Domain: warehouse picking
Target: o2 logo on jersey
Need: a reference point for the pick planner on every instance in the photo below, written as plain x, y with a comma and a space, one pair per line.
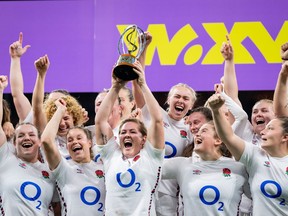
93, 202
31, 186
269, 186
215, 200
131, 183
174, 150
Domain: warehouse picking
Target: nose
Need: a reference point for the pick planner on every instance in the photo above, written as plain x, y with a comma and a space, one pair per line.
262, 132
62, 122
26, 137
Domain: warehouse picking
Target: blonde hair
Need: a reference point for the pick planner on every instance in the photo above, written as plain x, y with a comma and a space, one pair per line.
73, 108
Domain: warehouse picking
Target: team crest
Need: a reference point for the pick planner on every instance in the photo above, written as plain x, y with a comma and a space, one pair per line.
226, 172
183, 133
45, 174
99, 173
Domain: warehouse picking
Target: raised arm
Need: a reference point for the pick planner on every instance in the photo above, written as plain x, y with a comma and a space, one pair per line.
156, 129
3, 85
235, 144
230, 79
21, 102
42, 64
103, 130
49, 134
280, 100
137, 92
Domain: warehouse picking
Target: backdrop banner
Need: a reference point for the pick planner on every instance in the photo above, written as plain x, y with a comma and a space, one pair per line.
81, 37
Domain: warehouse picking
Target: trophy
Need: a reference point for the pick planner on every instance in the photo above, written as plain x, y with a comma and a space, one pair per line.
129, 52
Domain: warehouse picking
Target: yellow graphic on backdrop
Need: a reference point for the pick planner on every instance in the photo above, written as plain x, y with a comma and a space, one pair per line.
169, 50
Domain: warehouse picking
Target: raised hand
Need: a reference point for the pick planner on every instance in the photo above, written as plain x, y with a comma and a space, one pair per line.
3, 82
141, 74
227, 50
42, 64
284, 52
16, 49
216, 101
61, 104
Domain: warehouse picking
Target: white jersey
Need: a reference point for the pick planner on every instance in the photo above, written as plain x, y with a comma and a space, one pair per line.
29, 117
97, 148
26, 188
81, 188
131, 183
268, 178
177, 137
208, 187
242, 126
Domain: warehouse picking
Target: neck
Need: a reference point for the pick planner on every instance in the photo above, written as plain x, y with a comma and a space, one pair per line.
209, 156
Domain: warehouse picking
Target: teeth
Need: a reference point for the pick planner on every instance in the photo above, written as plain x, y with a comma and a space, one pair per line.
76, 148
26, 145
260, 122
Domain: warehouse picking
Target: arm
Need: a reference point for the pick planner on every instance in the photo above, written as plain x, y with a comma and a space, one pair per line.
137, 92
3, 85
156, 129
21, 102
280, 93
103, 130
49, 134
39, 118
224, 130
230, 80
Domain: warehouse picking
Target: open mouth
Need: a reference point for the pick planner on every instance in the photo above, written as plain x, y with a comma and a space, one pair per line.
179, 108
258, 122
27, 145
198, 141
127, 144
77, 148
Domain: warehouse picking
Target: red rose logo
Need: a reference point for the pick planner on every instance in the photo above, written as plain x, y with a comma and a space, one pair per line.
99, 173
183, 134
226, 172
45, 174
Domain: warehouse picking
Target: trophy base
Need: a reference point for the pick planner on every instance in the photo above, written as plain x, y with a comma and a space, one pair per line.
124, 68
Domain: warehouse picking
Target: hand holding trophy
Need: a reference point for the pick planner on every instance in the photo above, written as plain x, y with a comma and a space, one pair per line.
129, 52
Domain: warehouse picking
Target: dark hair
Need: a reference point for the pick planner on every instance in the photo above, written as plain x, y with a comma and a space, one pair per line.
284, 124
141, 126
205, 111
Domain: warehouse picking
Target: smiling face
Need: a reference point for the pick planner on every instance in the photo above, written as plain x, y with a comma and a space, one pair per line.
206, 142
27, 142
131, 139
195, 120
65, 124
262, 113
79, 145
180, 102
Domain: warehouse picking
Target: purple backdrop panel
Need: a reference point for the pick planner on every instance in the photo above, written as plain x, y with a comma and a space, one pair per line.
80, 38
64, 30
